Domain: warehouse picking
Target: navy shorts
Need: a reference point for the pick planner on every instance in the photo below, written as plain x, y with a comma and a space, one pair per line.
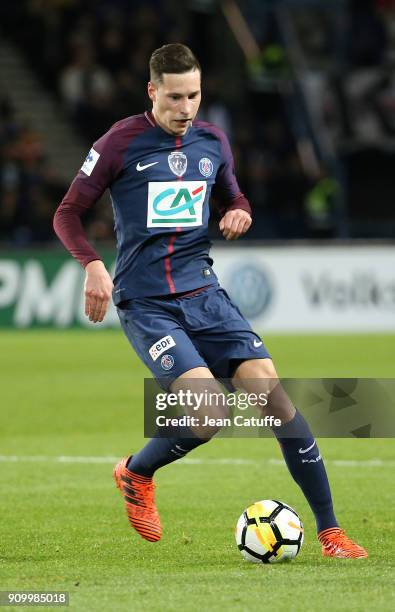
172, 336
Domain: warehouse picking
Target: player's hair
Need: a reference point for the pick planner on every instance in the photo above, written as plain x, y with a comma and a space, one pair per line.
172, 59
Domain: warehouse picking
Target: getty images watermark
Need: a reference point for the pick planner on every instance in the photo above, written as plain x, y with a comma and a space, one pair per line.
334, 408
200, 401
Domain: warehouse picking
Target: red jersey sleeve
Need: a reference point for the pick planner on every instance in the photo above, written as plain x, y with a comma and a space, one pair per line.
101, 166
226, 190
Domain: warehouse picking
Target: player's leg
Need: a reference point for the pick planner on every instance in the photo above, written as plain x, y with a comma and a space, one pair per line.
154, 330
301, 454
294, 435
178, 441
134, 475
232, 349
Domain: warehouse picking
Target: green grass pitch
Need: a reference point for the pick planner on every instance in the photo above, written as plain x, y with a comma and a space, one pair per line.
63, 525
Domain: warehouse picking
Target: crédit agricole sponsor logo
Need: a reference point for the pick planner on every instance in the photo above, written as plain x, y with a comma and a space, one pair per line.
175, 203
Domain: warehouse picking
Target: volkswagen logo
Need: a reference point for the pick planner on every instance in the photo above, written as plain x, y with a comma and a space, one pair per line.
250, 289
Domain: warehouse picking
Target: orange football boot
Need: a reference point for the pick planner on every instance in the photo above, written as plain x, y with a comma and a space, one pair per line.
138, 492
335, 543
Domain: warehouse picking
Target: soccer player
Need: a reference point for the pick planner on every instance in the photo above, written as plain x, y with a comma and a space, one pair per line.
161, 168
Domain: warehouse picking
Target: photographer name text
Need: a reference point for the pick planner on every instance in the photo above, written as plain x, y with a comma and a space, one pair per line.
236, 421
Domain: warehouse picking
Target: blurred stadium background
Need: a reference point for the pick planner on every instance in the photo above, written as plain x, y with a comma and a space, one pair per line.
304, 89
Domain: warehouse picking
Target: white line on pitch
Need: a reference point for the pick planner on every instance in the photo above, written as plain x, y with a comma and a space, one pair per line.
381, 463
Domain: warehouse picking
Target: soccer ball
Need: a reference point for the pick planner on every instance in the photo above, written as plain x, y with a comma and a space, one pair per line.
269, 531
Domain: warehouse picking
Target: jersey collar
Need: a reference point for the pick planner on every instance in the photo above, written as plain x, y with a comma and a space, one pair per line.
150, 118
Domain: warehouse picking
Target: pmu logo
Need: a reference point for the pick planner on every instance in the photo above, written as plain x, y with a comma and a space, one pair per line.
176, 203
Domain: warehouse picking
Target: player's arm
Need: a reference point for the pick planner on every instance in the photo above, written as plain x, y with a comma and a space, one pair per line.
235, 209
97, 172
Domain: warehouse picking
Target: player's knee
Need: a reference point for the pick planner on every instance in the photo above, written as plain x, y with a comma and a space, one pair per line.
278, 404
255, 369
207, 405
263, 368
212, 416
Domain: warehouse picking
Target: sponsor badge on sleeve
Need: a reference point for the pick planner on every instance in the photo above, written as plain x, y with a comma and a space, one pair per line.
90, 162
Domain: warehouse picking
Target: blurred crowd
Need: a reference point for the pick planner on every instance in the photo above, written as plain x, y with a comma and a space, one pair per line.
29, 186
93, 56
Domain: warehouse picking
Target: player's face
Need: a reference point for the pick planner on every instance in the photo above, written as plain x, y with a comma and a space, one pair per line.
175, 101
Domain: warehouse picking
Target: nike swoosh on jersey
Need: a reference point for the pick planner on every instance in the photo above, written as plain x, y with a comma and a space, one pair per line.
257, 343
304, 450
139, 167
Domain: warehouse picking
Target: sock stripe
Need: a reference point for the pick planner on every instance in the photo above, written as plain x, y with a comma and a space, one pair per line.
182, 450
327, 532
162, 451
175, 452
138, 477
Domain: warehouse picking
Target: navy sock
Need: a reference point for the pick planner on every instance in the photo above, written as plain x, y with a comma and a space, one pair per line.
161, 451
305, 464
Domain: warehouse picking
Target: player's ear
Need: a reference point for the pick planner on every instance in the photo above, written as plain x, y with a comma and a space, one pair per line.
151, 91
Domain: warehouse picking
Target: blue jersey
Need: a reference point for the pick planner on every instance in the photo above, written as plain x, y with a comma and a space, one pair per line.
160, 187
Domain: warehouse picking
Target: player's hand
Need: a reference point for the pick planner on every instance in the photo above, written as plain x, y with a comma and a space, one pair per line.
235, 223
98, 289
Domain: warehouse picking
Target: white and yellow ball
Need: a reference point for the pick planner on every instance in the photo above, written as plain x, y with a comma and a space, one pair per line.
269, 531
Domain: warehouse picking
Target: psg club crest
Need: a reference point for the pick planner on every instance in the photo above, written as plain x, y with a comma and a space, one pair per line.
167, 362
206, 167
178, 163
